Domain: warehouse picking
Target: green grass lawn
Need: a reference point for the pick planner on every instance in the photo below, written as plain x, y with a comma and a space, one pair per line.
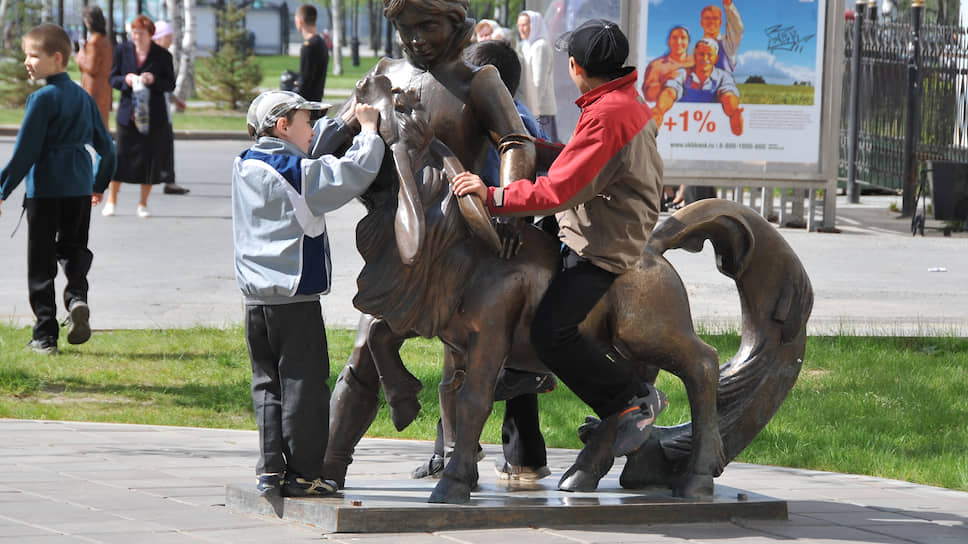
204, 118
890, 407
758, 93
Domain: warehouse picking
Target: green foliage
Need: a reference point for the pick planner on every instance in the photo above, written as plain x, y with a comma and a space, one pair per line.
889, 407
755, 79
484, 9
15, 84
230, 76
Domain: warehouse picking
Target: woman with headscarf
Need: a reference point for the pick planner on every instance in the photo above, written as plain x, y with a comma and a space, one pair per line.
537, 85
141, 157
94, 60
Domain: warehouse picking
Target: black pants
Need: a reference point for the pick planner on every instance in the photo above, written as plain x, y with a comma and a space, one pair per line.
521, 436
57, 231
605, 386
290, 366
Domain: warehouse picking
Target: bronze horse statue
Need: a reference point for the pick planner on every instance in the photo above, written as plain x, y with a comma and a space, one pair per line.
445, 279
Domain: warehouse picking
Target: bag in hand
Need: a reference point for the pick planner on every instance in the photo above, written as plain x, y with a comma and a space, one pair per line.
141, 96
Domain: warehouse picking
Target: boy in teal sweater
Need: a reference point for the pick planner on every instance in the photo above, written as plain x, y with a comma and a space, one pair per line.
61, 184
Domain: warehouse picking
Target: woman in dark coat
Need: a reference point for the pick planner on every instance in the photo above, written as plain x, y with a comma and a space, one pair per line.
142, 158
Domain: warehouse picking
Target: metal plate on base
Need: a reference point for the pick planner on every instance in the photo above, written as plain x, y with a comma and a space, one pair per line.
383, 505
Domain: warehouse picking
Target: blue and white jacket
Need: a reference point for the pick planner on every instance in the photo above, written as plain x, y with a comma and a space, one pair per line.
279, 198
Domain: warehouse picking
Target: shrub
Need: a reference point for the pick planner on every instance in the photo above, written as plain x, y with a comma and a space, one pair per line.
230, 76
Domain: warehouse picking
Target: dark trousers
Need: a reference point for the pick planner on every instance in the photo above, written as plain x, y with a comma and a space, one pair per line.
290, 366
57, 231
605, 386
521, 436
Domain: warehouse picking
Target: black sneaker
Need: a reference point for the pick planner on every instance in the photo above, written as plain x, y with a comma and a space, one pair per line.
300, 487
79, 321
430, 469
514, 383
434, 468
269, 484
635, 422
43, 346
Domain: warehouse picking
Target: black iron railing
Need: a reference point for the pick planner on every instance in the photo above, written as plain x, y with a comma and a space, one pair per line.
884, 94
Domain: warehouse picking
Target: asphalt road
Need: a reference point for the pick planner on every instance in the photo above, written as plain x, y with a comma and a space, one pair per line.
175, 269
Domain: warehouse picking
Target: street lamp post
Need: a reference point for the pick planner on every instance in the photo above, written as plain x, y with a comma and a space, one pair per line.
913, 118
355, 40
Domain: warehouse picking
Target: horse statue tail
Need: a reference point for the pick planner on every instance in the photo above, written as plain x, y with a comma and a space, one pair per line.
776, 299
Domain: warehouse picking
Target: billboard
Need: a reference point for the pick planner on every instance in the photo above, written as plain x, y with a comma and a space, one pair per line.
735, 80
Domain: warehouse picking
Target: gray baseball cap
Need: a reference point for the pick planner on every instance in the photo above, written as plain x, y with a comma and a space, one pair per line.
270, 106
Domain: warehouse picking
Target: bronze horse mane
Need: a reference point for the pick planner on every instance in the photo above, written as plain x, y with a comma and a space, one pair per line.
481, 307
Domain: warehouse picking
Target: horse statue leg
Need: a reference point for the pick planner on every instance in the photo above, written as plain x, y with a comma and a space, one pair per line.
474, 401
400, 387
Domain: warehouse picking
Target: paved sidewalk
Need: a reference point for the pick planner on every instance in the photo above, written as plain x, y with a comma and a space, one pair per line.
94, 482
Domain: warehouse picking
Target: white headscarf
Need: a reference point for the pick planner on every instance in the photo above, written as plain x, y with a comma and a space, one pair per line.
538, 29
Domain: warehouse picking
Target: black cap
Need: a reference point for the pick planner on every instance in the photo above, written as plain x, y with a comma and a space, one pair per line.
598, 46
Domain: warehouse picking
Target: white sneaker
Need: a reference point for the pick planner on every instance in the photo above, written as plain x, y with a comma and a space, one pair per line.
143, 212
108, 209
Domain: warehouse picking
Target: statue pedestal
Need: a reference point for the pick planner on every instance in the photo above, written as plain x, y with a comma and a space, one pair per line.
376, 504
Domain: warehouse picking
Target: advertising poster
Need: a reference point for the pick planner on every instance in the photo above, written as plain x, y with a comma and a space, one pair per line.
735, 80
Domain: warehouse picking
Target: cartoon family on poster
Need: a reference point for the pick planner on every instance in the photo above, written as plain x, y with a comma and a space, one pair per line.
706, 75
702, 63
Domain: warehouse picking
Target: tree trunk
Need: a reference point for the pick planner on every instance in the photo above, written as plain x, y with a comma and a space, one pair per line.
175, 19
185, 82
336, 56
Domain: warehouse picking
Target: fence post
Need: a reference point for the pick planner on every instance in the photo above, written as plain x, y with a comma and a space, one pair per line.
912, 119
853, 192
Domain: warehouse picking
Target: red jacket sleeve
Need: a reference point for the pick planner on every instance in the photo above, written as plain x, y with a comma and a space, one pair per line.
568, 181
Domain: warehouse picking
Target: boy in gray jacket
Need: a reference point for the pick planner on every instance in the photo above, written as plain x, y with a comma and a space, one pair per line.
282, 264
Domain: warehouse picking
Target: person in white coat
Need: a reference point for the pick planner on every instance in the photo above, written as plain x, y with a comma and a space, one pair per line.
537, 81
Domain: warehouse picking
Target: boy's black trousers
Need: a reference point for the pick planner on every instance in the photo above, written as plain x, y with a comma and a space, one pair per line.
603, 385
57, 231
290, 366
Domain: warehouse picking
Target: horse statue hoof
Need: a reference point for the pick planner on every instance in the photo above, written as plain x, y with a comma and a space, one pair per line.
695, 486
403, 412
579, 481
450, 491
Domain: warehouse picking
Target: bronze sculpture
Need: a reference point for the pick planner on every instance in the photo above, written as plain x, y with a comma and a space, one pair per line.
428, 273
480, 305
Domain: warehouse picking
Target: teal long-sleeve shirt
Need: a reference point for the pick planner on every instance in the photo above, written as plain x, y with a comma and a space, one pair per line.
50, 154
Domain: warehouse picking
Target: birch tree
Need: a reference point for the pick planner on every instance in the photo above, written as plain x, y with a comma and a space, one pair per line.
3, 23
336, 57
185, 81
175, 15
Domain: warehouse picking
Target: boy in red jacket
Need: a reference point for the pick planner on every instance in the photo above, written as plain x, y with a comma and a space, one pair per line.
604, 189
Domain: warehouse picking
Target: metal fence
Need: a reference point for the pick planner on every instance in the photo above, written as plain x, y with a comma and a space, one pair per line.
883, 97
